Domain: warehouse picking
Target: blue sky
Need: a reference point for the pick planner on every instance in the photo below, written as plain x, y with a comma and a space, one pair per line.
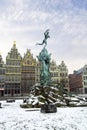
25, 21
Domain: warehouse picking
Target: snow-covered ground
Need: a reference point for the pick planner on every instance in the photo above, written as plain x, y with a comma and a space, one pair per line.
12, 117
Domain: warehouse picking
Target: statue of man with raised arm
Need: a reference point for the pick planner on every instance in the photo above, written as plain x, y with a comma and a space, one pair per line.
44, 59
46, 36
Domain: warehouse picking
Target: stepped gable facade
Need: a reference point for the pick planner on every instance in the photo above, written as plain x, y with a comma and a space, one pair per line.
63, 75
13, 72
59, 74
27, 72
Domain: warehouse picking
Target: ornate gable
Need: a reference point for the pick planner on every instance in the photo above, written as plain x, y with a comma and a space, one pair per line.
28, 59
14, 54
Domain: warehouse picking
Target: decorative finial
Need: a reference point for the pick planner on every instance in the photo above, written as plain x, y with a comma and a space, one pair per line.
14, 43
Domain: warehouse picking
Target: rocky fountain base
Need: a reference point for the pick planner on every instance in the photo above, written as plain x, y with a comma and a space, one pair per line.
48, 103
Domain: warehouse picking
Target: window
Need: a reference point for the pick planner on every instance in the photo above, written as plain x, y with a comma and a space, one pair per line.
86, 90
61, 74
85, 83
1, 65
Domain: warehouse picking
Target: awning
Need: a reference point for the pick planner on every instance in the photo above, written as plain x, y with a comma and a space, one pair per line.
1, 89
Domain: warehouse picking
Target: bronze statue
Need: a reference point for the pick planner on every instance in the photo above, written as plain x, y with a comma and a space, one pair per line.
44, 59
46, 36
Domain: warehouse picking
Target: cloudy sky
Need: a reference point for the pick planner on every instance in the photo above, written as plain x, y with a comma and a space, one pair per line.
25, 22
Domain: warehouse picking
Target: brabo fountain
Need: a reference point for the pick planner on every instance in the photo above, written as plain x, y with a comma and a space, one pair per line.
45, 76
46, 95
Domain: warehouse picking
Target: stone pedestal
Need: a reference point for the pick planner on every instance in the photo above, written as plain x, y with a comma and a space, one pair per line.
48, 108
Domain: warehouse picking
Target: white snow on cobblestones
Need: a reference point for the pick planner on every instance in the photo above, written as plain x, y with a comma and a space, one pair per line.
12, 117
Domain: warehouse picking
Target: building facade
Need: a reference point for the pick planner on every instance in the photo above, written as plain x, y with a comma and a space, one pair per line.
63, 75
59, 74
2, 76
19, 74
27, 73
84, 79
54, 72
75, 83
13, 72
78, 81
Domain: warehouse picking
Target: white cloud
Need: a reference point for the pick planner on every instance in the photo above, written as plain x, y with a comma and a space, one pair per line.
26, 21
